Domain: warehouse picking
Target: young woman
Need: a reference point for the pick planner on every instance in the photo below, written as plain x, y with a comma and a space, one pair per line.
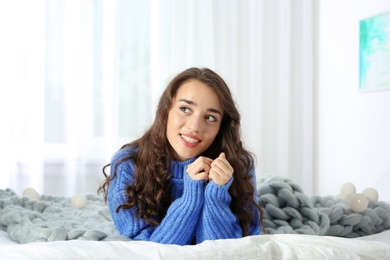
188, 178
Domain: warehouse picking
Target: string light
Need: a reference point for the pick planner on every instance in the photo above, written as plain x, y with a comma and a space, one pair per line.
358, 202
79, 201
31, 194
371, 194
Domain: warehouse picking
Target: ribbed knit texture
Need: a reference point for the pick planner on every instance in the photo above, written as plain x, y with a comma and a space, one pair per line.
198, 212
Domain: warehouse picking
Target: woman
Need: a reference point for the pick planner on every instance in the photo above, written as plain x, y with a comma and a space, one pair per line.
188, 178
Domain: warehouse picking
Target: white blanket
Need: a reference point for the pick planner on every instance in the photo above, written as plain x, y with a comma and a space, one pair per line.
279, 246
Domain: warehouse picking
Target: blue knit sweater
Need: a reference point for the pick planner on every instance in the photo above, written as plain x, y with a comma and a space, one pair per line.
198, 211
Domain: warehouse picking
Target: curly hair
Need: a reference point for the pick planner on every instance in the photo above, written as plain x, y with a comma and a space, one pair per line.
150, 192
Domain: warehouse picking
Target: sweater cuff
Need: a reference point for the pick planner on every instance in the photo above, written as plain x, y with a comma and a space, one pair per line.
193, 188
217, 193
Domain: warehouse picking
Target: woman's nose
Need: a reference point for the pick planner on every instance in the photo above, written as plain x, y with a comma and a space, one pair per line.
194, 123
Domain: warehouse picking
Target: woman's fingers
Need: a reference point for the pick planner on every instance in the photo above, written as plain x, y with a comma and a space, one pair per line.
221, 171
200, 168
218, 170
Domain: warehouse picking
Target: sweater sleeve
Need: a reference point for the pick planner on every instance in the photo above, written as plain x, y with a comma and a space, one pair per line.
177, 227
217, 220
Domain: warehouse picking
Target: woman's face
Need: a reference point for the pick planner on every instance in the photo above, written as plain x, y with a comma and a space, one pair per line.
194, 120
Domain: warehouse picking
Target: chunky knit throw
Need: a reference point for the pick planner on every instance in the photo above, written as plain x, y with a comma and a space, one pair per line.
54, 218
286, 210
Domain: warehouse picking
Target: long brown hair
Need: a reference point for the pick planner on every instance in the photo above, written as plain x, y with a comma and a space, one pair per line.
150, 192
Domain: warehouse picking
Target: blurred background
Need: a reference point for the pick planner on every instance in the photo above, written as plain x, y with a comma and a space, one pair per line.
80, 78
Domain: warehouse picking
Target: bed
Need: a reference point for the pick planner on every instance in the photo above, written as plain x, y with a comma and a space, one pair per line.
298, 227
278, 246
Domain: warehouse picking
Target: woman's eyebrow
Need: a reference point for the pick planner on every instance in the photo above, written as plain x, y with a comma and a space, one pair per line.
190, 102
214, 110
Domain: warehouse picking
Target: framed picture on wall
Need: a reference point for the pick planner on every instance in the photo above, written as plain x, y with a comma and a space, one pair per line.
374, 53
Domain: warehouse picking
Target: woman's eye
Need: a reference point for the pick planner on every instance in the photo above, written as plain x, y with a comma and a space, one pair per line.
211, 118
185, 109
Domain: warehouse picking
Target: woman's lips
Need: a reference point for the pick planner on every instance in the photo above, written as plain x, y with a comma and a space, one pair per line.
190, 140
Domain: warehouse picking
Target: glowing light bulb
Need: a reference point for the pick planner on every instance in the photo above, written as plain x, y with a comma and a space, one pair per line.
372, 194
348, 189
31, 194
79, 201
358, 202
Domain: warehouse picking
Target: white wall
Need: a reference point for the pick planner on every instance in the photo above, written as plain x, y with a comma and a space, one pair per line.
352, 127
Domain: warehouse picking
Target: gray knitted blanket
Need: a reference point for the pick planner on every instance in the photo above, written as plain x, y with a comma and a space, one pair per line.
54, 218
286, 210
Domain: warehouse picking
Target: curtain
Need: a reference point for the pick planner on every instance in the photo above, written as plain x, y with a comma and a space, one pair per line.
82, 78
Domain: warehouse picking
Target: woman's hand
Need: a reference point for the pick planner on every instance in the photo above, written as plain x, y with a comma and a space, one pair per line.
200, 168
221, 171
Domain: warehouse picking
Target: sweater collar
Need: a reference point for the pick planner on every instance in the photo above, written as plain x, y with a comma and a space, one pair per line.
177, 168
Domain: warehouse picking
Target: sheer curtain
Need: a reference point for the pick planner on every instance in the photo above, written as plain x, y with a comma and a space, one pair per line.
81, 78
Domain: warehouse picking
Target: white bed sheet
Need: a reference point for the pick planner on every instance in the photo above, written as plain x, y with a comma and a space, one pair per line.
281, 246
